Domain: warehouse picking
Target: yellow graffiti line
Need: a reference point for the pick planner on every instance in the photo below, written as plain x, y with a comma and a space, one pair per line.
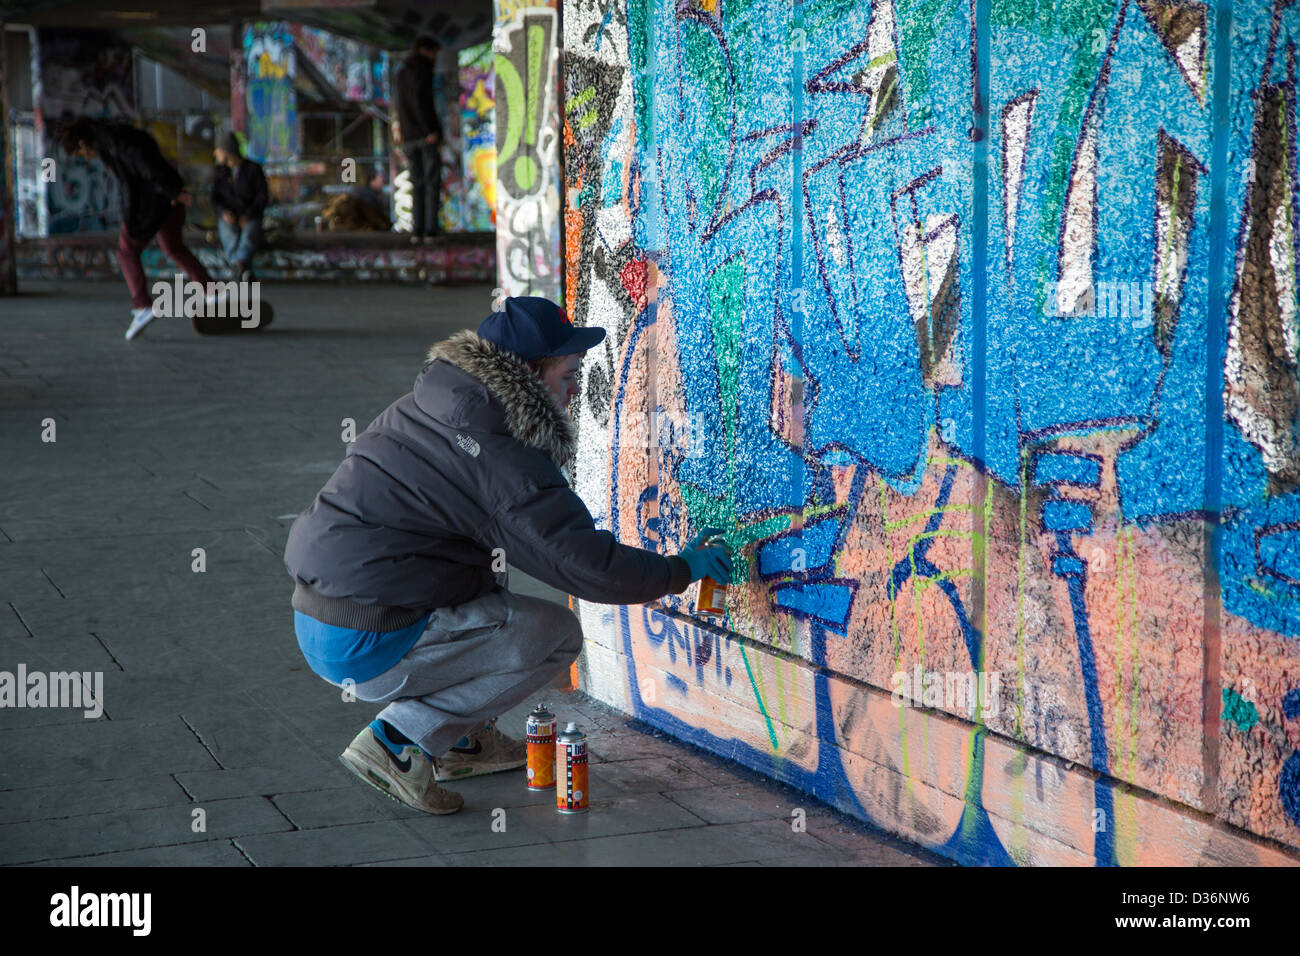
889, 558
924, 515
953, 575
780, 693
945, 460
1020, 600
1119, 623
581, 98
758, 695
940, 533
759, 682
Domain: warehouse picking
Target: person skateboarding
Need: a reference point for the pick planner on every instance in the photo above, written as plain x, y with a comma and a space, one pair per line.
154, 200
395, 596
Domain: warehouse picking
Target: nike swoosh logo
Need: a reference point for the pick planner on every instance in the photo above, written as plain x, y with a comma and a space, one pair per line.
477, 749
403, 765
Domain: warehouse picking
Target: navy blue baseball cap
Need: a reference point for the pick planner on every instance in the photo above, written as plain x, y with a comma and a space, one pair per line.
535, 328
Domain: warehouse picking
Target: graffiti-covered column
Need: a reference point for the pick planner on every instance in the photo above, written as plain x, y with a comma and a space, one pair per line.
528, 141
269, 99
8, 273
238, 79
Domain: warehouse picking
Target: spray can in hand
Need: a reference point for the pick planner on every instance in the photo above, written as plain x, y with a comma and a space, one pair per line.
713, 595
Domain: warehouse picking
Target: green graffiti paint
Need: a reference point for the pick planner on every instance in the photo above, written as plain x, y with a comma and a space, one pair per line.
536, 54
918, 24
511, 88
758, 696
1239, 710
727, 318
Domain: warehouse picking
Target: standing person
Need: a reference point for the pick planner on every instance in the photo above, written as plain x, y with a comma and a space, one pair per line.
239, 196
154, 200
393, 563
421, 135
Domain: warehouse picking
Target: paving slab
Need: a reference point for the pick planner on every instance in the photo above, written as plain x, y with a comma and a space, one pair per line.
112, 829
212, 853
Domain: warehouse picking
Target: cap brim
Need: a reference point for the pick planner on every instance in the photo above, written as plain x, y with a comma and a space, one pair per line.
581, 340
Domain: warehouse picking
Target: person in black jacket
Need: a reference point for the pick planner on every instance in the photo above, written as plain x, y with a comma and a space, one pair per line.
397, 563
421, 134
239, 196
154, 200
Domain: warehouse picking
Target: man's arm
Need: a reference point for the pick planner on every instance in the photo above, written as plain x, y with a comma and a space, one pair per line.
549, 533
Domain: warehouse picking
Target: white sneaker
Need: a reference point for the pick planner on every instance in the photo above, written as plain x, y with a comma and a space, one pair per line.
139, 319
212, 302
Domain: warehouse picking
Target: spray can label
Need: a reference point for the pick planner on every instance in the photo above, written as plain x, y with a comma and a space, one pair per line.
539, 735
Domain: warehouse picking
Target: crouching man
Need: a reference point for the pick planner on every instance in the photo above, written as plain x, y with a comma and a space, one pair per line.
393, 562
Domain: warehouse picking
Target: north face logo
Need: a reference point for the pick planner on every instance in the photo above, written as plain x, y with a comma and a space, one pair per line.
469, 444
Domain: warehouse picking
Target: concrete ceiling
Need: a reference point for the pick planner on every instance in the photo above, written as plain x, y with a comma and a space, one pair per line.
386, 24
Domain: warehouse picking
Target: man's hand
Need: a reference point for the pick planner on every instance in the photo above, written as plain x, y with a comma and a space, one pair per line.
712, 561
229, 216
243, 221
184, 199
431, 138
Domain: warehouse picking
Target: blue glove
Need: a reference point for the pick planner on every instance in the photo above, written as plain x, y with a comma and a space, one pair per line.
700, 538
713, 562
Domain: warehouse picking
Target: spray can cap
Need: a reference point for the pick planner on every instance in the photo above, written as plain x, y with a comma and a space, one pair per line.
571, 728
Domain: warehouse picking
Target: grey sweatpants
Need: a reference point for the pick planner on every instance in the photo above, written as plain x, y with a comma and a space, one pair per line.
473, 662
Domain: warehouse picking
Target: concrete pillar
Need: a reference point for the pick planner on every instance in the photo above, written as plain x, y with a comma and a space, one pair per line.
529, 254
401, 191
8, 217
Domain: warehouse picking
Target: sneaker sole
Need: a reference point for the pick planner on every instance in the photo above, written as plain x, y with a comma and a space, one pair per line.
363, 771
476, 770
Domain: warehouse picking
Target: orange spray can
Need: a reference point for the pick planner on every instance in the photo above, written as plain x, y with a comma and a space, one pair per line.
539, 734
713, 596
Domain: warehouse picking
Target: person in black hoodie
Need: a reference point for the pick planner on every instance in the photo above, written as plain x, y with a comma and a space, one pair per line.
154, 200
239, 195
421, 134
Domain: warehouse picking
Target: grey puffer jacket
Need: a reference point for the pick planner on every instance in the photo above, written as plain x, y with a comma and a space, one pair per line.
467, 462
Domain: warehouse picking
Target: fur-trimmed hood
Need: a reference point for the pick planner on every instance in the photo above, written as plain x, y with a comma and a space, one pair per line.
472, 459
531, 414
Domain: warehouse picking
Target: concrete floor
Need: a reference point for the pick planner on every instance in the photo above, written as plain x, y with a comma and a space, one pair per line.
175, 442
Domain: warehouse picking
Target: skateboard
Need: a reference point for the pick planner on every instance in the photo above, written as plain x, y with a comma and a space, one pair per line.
229, 325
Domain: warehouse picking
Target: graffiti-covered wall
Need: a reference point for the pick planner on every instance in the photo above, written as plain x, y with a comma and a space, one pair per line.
272, 103
79, 73
528, 144
478, 138
963, 324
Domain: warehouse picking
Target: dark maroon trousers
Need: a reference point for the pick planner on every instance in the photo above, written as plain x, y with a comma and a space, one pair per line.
169, 239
